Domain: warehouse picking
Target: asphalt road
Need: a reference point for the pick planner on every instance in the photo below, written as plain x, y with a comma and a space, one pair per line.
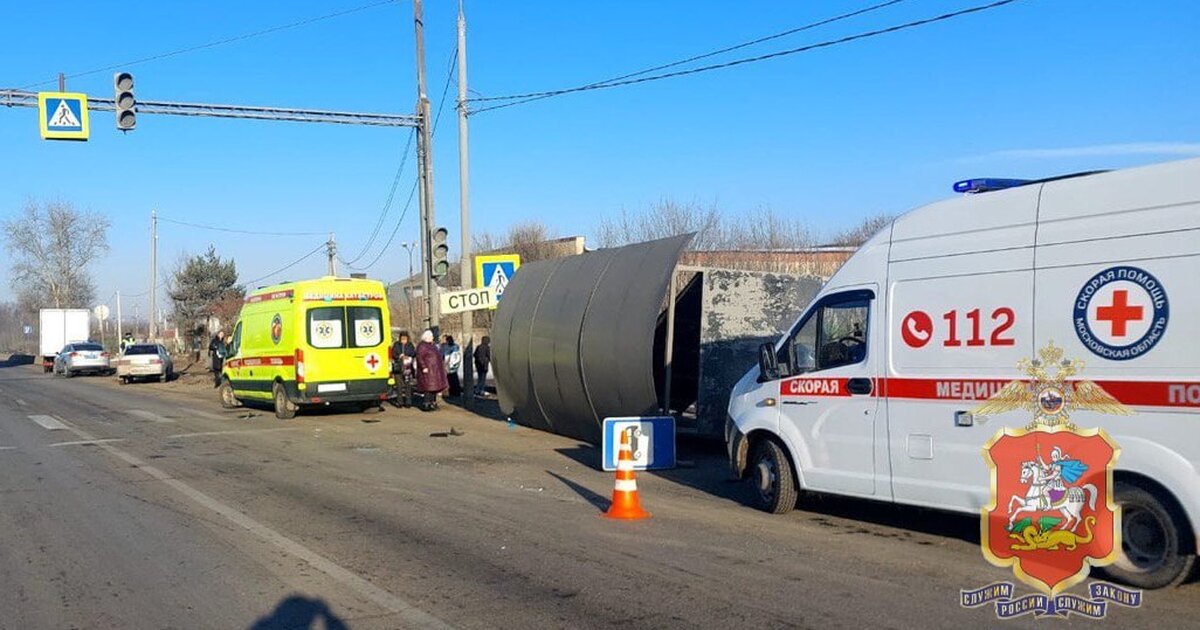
150, 507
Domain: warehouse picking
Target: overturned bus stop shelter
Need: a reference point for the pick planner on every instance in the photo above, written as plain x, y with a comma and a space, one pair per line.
582, 338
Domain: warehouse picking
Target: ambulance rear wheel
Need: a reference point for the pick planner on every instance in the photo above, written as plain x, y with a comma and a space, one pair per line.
1153, 554
284, 408
773, 478
228, 399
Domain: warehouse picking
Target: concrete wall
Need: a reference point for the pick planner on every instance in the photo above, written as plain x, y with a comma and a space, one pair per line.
740, 311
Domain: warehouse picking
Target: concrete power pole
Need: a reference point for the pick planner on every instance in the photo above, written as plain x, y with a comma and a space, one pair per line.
331, 251
120, 330
153, 331
425, 162
464, 203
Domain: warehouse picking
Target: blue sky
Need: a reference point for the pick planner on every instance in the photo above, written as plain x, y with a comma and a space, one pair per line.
1036, 88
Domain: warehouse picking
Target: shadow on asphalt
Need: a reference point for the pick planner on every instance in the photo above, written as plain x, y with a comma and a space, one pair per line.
703, 466
16, 360
297, 612
599, 501
483, 407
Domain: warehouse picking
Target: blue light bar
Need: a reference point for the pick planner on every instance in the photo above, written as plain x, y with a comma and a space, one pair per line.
987, 184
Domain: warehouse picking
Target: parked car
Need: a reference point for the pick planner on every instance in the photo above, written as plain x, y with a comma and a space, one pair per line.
82, 358
149, 361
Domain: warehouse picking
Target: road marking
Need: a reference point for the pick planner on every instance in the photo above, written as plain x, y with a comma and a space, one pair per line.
8, 448
410, 615
82, 442
231, 432
146, 415
22, 402
49, 423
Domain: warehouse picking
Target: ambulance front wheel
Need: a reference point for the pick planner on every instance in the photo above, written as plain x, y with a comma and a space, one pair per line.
228, 399
1153, 552
284, 408
773, 477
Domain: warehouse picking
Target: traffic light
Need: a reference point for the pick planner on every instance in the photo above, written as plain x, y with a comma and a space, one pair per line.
124, 101
438, 252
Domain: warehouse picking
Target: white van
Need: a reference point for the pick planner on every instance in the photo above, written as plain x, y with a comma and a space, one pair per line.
860, 398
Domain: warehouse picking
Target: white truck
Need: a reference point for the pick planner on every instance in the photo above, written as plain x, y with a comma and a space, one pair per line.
59, 326
869, 394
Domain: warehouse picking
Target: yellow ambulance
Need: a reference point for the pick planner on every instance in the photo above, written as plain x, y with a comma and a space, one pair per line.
309, 343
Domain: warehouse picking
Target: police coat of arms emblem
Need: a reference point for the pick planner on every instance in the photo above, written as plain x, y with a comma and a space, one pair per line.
1051, 516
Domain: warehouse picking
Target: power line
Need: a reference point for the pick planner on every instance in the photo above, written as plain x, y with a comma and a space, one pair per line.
215, 228
793, 31
737, 62
433, 132
395, 230
387, 205
219, 42
284, 268
446, 88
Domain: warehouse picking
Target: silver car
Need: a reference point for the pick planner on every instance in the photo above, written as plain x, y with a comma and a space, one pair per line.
145, 361
83, 357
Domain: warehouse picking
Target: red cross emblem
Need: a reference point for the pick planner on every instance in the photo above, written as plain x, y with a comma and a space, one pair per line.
372, 361
1119, 313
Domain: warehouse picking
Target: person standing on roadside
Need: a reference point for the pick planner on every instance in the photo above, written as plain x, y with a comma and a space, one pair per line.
431, 372
404, 368
217, 349
126, 341
452, 359
483, 359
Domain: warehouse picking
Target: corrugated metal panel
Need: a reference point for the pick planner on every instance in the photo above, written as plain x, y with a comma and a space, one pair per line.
575, 337
512, 329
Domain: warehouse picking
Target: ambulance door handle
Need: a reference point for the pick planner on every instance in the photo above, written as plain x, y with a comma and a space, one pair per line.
859, 386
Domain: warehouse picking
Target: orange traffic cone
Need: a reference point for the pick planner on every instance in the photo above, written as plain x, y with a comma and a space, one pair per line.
625, 503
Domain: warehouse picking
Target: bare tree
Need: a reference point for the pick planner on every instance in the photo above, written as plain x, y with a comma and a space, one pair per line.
13, 320
863, 230
662, 219
766, 229
761, 229
531, 239
52, 246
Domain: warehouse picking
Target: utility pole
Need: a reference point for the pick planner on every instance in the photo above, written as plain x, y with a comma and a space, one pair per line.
464, 203
412, 320
153, 332
331, 250
425, 162
120, 331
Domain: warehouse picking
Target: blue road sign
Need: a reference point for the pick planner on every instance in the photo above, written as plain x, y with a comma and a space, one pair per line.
653, 442
63, 115
494, 271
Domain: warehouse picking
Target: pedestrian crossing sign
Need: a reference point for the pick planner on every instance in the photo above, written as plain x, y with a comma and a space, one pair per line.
63, 115
494, 271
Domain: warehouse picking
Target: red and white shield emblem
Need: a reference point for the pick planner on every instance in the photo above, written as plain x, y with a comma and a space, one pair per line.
1052, 516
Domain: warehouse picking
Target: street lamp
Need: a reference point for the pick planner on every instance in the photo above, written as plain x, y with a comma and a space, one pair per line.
408, 282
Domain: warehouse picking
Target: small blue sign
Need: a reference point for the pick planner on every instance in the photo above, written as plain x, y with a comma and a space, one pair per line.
63, 115
653, 442
493, 271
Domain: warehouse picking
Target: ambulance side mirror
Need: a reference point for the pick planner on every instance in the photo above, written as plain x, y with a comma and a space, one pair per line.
768, 364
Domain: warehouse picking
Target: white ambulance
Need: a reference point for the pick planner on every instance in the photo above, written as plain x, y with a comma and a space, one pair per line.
869, 394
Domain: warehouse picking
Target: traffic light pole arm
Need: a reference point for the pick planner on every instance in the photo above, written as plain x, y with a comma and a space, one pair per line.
20, 98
